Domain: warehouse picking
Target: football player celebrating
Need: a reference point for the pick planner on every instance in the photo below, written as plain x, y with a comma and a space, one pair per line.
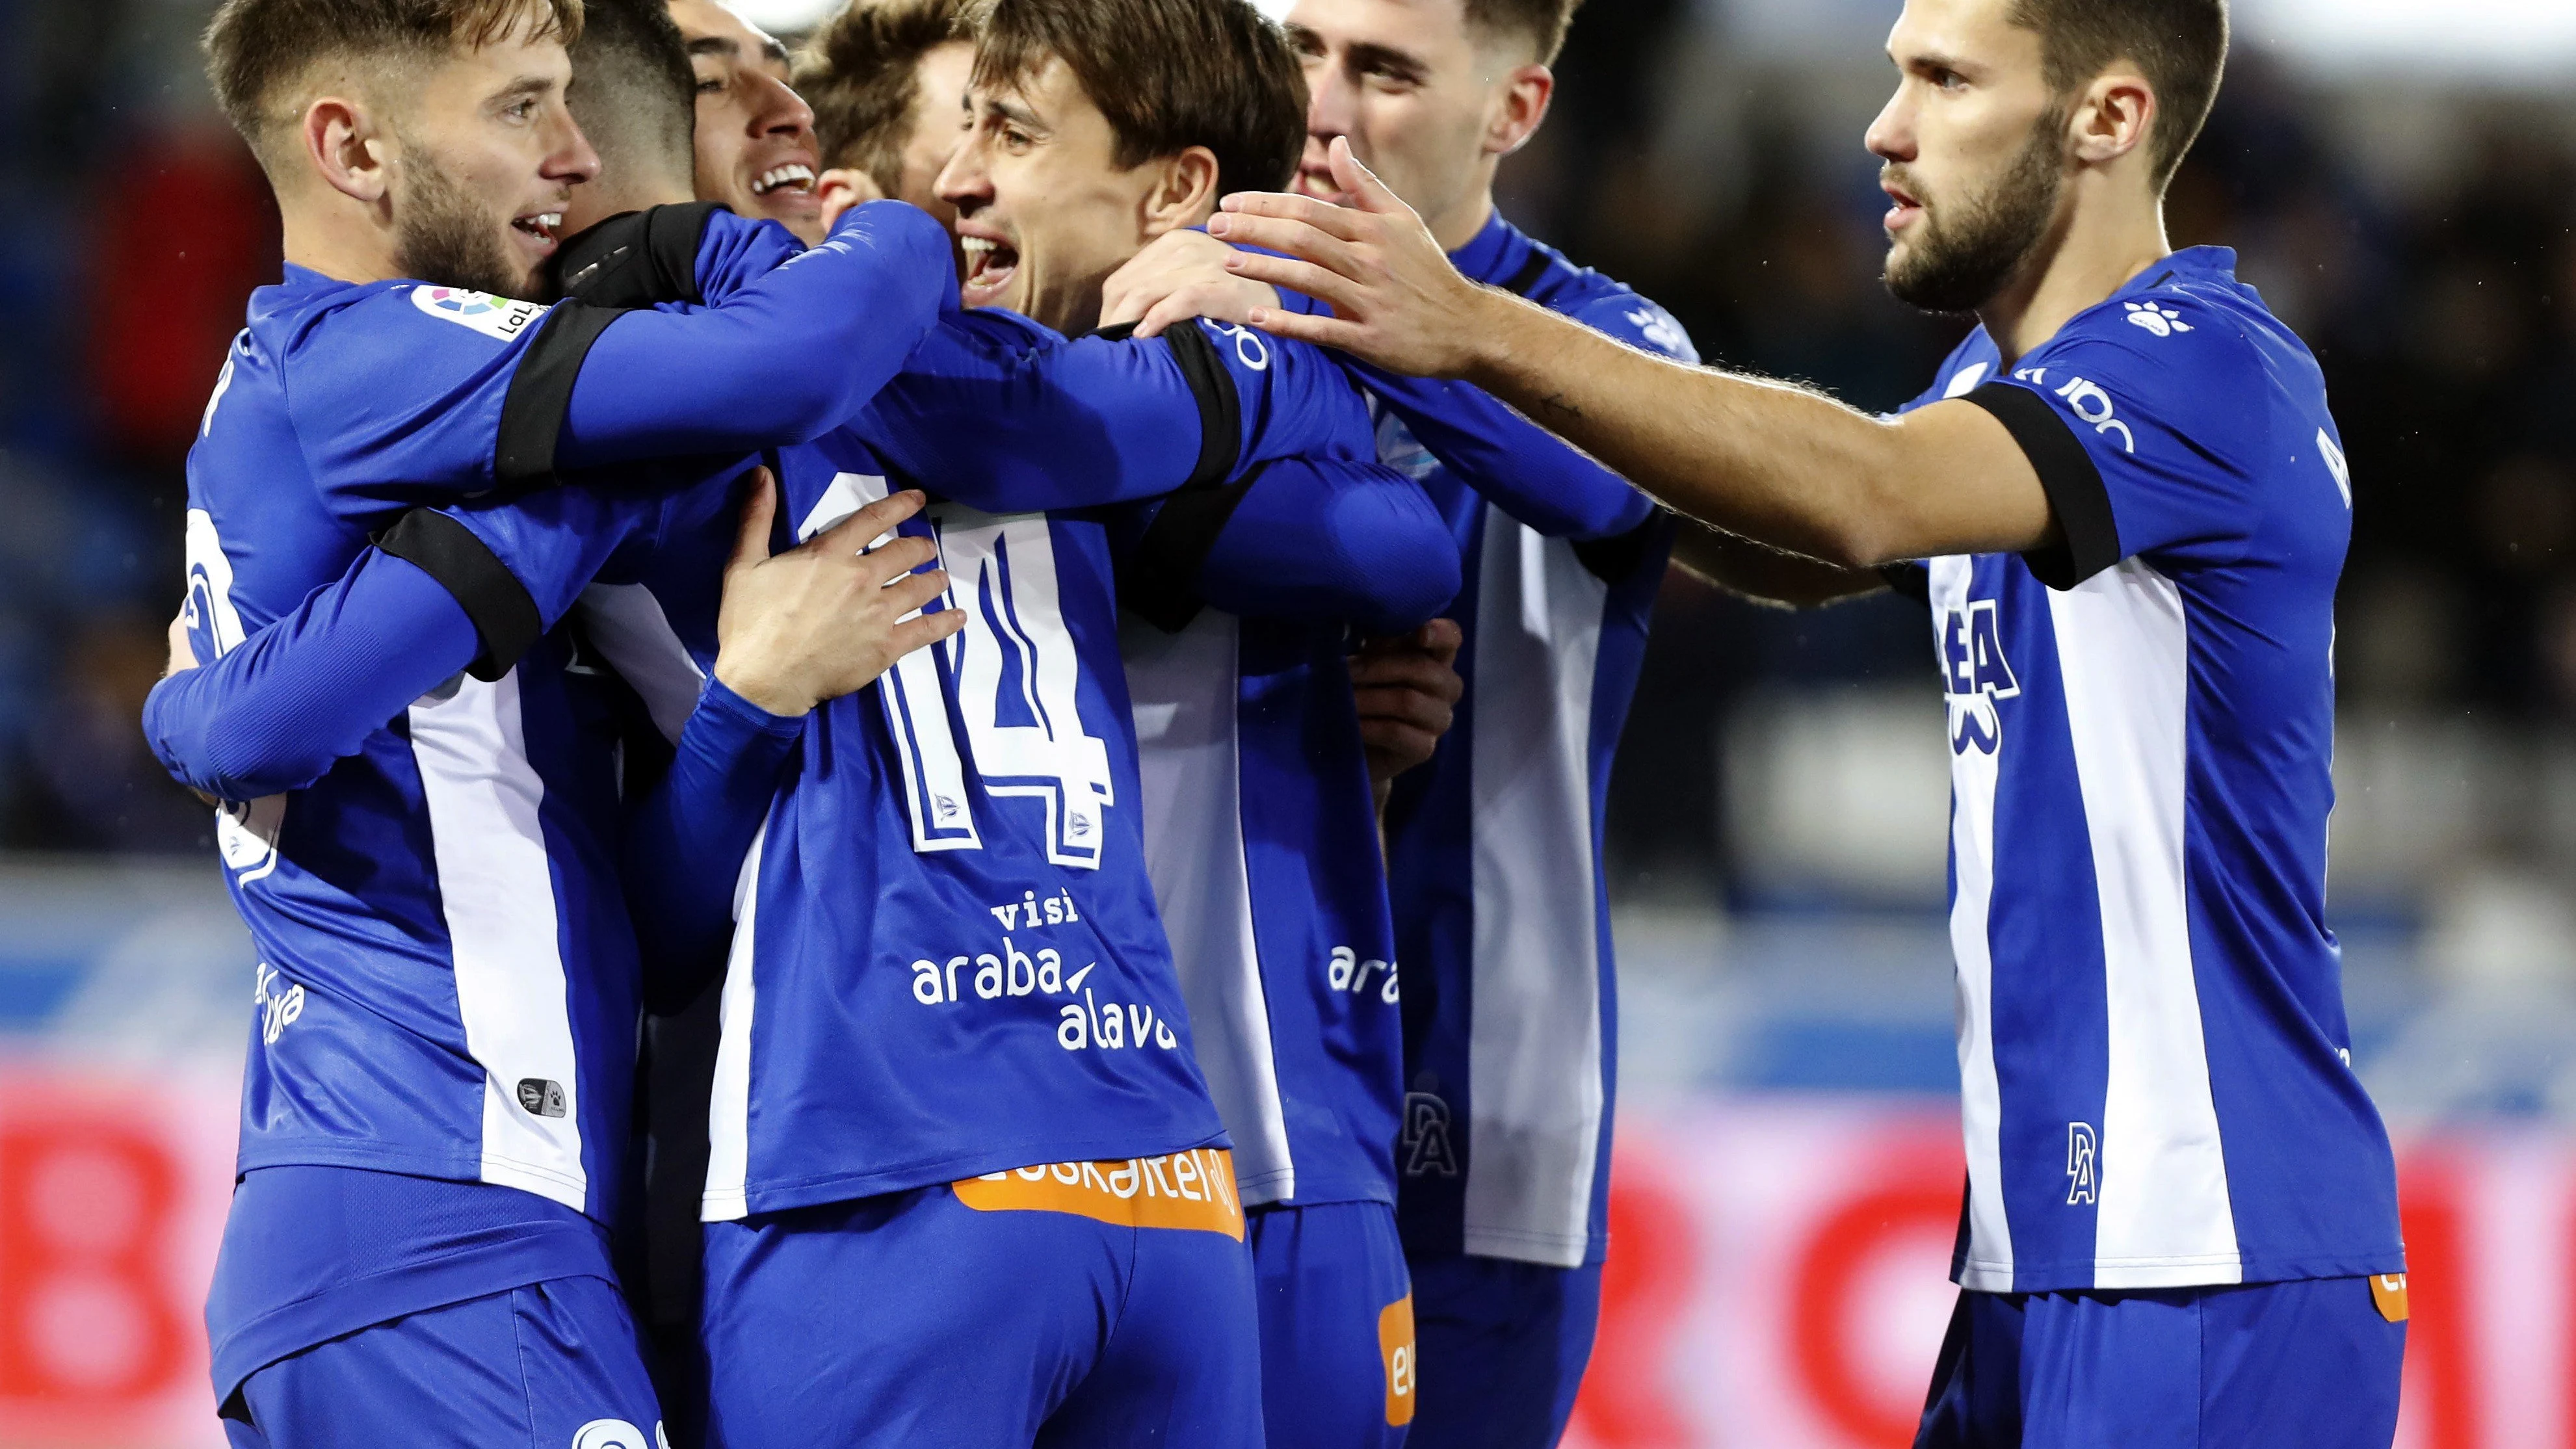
755, 141
2181, 1220
434, 1108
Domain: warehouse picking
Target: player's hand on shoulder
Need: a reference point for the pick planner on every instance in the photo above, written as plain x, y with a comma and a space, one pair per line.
1180, 275
825, 618
1407, 688
1396, 300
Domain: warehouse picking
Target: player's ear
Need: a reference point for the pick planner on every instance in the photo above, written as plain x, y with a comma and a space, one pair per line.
2114, 117
1520, 106
1185, 194
346, 150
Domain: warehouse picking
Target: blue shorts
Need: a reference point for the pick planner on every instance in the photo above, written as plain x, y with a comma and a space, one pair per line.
550, 1364
913, 1319
1337, 1349
1504, 1345
2311, 1363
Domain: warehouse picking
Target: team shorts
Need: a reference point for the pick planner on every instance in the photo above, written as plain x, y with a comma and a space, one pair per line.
2311, 1363
1078, 1305
1503, 1349
554, 1365
1337, 1350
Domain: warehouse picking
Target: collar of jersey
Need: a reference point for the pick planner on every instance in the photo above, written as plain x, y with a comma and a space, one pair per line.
1490, 256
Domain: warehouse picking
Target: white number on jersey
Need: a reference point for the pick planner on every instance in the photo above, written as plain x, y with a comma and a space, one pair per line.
1012, 675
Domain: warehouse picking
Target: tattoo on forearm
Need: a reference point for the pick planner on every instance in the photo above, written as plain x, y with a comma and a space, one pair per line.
1562, 406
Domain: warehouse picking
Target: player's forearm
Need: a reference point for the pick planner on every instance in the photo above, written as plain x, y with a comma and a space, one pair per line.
277, 712
782, 361
1764, 460
1333, 541
690, 835
1520, 467
1765, 575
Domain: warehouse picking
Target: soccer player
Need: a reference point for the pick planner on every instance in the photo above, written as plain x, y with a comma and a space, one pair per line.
2181, 1220
887, 79
755, 135
1494, 849
433, 1112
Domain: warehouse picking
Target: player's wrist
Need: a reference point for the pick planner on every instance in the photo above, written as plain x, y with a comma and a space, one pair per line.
765, 690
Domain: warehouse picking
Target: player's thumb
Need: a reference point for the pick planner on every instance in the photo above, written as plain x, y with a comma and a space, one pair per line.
759, 511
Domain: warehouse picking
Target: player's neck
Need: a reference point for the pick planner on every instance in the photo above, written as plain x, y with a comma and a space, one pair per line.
2103, 240
340, 246
1462, 220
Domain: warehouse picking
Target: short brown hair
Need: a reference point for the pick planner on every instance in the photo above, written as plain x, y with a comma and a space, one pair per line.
255, 48
1543, 21
2179, 45
858, 73
1169, 75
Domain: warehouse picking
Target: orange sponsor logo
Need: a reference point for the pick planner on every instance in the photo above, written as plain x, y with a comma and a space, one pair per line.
2388, 1294
1193, 1190
1395, 1346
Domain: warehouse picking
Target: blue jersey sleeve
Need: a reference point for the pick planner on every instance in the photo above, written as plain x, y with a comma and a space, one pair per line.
428, 390
461, 590
2151, 438
690, 834
279, 709
1326, 541
1519, 466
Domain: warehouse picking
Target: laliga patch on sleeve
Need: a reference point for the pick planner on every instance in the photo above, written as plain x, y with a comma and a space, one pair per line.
499, 318
2388, 1294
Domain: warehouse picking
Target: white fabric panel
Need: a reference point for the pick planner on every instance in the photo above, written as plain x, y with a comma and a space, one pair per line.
729, 1100
1534, 1045
2124, 651
1185, 691
496, 889
1989, 1265
626, 624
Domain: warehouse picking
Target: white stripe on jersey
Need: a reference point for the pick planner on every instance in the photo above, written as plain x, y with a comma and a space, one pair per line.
2124, 653
496, 887
625, 622
1188, 714
1989, 1265
729, 1100
1534, 1043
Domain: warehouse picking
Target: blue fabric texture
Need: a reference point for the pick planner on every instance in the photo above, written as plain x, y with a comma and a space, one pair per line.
2309, 1362
911, 1320
1504, 1346
550, 1364
1327, 1275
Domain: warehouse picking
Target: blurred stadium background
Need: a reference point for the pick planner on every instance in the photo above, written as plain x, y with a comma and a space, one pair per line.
2400, 176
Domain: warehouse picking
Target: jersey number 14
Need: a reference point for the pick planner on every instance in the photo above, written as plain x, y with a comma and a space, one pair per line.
1011, 683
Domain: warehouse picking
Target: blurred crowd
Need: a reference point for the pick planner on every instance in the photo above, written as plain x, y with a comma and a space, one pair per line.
2423, 247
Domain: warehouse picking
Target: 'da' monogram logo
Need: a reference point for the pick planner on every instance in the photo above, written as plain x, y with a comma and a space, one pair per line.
2083, 1163
1427, 1150
1974, 674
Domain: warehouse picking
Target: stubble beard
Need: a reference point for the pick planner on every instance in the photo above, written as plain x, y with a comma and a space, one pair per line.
441, 236
1959, 263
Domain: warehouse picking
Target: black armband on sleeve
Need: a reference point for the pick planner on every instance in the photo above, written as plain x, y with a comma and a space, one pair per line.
1912, 580
540, 393
638, 258
1158, 580
2076, 494
1220, 409
466, 567
1616, 557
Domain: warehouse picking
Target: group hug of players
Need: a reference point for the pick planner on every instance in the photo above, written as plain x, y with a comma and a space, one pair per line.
834, 711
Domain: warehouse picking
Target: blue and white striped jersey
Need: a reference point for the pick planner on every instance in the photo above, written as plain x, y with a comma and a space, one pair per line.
1502, 915
448, 983
2152, 1045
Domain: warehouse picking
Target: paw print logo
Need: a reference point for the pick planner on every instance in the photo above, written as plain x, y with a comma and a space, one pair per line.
2162, 321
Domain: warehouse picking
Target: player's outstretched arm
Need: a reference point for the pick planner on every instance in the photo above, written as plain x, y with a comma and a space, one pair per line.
277, 711
1765, 460
1765, 575
781, 360
796, 630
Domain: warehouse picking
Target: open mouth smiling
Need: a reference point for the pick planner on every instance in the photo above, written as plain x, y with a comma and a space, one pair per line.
990, 265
